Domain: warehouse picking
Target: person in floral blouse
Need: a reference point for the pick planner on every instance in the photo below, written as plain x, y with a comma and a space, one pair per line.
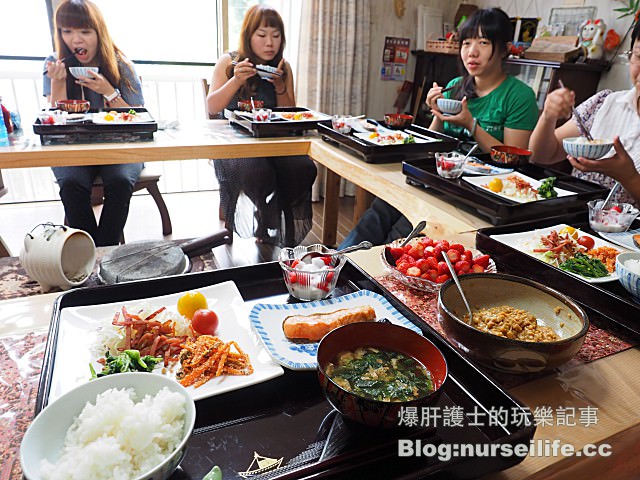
607, 115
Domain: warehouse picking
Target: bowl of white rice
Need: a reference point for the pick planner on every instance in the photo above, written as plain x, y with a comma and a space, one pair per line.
127, 425
628, 270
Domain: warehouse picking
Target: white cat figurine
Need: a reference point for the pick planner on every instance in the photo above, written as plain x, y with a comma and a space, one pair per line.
592, 38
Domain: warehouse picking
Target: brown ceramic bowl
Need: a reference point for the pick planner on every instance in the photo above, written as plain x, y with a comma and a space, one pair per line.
73, 106
508, 155
386, 336
398, 120
555, 309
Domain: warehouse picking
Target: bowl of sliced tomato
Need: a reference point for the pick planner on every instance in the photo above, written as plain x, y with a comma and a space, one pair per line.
420, 263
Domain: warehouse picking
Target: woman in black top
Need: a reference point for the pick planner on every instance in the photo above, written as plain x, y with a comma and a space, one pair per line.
278, 188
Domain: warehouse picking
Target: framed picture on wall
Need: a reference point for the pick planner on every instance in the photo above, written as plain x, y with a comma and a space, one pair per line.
571, 17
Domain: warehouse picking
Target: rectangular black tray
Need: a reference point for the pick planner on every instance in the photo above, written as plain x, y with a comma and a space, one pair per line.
289, 417
609, 299
498, 210
371, 153
89, 132
274, 128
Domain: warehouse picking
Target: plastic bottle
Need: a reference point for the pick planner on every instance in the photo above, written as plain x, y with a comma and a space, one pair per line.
4, 136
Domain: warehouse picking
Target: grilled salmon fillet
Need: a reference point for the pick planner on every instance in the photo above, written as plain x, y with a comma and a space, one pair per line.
315, 326
636, 240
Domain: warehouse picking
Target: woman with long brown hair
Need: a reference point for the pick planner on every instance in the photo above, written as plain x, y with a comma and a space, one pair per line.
82, 39
279, 188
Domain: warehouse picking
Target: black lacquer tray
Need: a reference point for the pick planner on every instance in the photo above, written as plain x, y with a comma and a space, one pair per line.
89, 132
609, 299
500, 211
289, 418
372, 153
276, 127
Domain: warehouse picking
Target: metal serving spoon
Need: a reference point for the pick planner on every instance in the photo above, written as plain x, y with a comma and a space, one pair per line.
365, 245
387, 251
455, 279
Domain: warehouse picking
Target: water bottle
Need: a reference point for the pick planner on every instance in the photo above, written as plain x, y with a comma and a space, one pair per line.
4, 136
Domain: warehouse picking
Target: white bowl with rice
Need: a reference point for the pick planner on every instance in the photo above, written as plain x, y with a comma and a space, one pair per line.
126, 425
628, 270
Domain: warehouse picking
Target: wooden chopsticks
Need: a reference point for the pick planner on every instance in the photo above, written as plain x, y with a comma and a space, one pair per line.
583, 128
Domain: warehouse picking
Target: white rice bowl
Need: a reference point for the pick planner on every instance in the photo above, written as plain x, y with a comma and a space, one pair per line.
128, 425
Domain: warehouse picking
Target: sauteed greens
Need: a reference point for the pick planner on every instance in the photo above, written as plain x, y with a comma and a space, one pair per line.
381, 375
127, 361
546, 190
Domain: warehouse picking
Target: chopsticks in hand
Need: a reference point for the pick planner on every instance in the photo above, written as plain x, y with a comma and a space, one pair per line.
583, 128
75, 50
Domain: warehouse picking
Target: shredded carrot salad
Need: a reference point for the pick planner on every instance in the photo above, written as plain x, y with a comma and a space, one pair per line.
149, 336
206, 357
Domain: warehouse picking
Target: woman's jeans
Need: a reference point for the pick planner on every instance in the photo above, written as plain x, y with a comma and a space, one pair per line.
75, 191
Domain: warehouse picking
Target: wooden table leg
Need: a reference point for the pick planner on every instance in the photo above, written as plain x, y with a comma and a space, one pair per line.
363, 201
330, 211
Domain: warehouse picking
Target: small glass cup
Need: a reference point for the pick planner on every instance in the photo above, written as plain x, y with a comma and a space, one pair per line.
617, 218
340, 123
262, 115
450, 165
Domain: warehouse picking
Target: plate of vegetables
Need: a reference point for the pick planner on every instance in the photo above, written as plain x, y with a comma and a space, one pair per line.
568, 249
164, 336
518, 187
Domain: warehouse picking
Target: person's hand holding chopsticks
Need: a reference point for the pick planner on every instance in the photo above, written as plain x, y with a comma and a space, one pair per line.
559, 104
244, 70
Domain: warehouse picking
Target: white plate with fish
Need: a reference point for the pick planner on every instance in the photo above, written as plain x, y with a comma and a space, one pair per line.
266, 319
475, 166
82, 330
624, 239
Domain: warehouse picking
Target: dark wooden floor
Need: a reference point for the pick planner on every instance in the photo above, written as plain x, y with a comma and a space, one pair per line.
245, 251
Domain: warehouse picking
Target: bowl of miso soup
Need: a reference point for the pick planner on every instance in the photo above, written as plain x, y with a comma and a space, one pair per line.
370, 371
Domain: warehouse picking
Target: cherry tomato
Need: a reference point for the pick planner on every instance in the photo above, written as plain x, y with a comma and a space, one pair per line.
586, 242
205, 321
190, 302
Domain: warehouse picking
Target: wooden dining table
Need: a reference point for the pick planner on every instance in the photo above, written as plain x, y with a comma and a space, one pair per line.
609, 384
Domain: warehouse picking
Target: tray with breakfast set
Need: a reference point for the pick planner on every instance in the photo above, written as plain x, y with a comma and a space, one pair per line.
281, 425
481, 188
375, 142
115, 125
276, 121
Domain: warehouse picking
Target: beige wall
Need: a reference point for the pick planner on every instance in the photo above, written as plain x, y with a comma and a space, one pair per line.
385, 23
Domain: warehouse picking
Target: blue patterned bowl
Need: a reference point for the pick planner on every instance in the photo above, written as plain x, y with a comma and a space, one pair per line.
581, 147
629, 279
449, 106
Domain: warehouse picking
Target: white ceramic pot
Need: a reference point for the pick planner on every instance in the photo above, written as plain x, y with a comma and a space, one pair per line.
58, 256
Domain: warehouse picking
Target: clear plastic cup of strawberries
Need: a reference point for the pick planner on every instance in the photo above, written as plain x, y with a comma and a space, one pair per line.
420, 264
310, 279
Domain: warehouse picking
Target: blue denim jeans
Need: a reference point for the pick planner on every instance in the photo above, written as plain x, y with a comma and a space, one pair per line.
380, 224
75, 191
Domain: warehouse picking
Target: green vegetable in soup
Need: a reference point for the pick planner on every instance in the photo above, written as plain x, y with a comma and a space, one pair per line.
214, 474
585, 266
546, 189
127, 361
381, 375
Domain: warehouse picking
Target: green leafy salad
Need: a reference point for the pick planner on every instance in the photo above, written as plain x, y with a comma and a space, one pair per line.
586, 266
127, 361
546, 190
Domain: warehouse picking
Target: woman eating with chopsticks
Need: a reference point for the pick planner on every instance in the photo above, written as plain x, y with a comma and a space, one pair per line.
606, 115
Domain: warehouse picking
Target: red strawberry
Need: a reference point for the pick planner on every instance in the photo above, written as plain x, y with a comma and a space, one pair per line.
462, 267
414, 272
396, 252
453, 255
457, 246
442, 278
442, 268
293, 278
423, 265
467, 255
616, 208
477, 268
330, 276
482, 260
326, 260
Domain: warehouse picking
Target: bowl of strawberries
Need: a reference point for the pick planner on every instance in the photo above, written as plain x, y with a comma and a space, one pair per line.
420, 263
